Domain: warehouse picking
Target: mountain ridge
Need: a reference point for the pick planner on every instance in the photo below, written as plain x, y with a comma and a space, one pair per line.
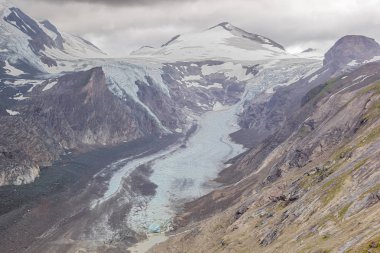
39, 44
223, 37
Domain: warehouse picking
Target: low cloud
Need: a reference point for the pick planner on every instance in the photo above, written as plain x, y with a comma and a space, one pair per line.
119, 27
115, 2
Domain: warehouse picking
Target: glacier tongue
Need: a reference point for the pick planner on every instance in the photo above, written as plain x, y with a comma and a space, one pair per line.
184, 173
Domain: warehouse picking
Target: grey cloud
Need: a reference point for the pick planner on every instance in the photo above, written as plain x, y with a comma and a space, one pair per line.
293, 23
116, 2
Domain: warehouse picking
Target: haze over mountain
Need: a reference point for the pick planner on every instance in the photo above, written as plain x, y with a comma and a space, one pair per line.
220, 138
123, 27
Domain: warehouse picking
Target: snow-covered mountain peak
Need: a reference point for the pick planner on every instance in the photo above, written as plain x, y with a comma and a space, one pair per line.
223, 41
225, 25
241, 33
39, 46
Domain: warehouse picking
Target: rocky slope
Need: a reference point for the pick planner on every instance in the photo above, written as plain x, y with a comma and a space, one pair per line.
310, 183
75, 113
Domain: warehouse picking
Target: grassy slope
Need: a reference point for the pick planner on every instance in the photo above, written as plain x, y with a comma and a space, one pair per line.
337, 207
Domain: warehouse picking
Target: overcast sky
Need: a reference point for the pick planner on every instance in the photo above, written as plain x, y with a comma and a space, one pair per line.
119, 26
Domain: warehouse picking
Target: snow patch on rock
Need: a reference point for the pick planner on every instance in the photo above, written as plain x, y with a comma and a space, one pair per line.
50, 85
12, 70
12, 113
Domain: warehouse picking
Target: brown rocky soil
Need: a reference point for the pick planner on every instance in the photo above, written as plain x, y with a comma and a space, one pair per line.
315, 189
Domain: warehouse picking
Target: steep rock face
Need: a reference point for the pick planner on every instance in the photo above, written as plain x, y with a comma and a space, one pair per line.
59, 39
314, 191
38, 38
77, 111
82, 103
351, 50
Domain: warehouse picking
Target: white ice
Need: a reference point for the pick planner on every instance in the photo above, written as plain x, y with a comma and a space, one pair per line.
12, 113
12, 70
50, 85
216, 43
229, 69
314, 77
19, 97
197, 85
352, 63
183, 174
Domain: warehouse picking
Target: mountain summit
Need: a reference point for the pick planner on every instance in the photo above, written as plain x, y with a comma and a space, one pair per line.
243, 34
351, 50
30, 45
218, 42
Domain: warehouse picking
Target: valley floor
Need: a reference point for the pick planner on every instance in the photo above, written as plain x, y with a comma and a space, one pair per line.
32, 215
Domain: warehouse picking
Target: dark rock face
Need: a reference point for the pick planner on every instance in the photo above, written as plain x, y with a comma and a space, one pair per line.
269, 238
299, 159
240, 212
148, 94
58, 40
171, 40
93, 115
372, 199
39, 39
308, 50
23, 148
197, 98
351, 48
78, 113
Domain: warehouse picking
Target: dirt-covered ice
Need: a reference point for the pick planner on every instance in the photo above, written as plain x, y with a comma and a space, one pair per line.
182, 175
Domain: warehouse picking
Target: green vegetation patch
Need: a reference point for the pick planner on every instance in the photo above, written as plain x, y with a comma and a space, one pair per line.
372, 88
373, 135
318, 92
372, 245
343, 211
334, 186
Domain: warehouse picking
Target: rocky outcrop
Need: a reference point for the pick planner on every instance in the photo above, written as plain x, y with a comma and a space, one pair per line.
315, 189
351, 50
191, 88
